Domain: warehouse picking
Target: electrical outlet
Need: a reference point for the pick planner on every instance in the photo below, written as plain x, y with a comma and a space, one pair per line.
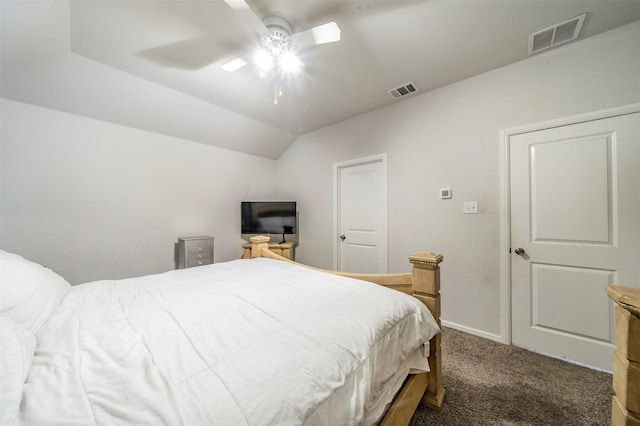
470, 207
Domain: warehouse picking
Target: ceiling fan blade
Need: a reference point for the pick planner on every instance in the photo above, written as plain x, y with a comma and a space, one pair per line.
246, 14
192, 54
234, 64
326, 33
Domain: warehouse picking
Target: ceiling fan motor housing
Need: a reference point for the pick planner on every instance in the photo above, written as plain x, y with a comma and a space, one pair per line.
277, 40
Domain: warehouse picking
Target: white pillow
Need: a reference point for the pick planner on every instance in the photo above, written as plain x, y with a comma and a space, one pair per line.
29, 292
18, 346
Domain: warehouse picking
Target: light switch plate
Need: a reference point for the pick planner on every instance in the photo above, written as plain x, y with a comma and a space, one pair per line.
470, 207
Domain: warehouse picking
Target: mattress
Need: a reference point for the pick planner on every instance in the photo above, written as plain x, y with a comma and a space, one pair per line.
246, 342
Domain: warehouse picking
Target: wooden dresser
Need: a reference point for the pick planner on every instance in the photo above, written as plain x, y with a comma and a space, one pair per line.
282, 249
194, 251
626, 360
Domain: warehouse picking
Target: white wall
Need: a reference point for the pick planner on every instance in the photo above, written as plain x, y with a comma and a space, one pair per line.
95, 200
450, 137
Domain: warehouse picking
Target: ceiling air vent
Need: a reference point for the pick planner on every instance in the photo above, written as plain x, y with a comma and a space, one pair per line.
404, 90
557, 34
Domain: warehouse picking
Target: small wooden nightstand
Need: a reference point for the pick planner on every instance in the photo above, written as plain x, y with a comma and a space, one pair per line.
282, 249
194, 251
626, 360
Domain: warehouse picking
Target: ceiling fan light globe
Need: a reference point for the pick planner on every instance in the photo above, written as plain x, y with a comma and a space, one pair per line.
275, 49
290, 63
263, 60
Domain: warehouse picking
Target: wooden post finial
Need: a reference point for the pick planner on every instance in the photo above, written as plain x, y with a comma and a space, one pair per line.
258, 243
426, 260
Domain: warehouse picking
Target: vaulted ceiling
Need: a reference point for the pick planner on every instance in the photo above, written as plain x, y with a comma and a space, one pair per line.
155, 64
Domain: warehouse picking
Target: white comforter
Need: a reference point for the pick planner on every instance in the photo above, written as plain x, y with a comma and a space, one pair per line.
247, 342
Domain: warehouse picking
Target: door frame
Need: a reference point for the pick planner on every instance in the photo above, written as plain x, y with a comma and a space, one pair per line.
505, 198
376, 158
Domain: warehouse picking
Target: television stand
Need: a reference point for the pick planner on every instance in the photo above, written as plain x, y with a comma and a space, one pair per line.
284, 249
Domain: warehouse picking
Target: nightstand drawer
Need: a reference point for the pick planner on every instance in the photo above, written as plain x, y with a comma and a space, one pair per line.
620, 416
626, 382
205, 255
204, 248
627, 334
194, 251
198, 262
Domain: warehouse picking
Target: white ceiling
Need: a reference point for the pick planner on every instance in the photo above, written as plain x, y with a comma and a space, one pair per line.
155, 64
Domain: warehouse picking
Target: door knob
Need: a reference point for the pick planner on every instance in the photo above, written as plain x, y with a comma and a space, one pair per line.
342, 237
519, 251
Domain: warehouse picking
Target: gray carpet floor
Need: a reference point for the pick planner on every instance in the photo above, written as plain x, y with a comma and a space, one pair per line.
488, 383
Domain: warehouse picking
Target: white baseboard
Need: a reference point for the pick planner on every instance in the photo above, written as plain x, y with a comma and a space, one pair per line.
474, 331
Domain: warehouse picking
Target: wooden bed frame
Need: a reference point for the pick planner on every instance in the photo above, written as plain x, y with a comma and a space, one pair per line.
424, 284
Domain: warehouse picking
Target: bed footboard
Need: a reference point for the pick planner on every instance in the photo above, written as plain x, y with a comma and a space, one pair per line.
424, 284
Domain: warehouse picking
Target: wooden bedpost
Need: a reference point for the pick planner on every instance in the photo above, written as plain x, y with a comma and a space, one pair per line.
259, 243
426, 287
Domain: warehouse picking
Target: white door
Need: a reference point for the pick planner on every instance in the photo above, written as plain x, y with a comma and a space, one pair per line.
575, 226
362, 216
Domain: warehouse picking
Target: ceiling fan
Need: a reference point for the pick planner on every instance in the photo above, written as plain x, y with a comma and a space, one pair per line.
278, 41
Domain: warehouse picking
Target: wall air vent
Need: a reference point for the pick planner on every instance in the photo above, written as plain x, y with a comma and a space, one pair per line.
404, 90
563, 32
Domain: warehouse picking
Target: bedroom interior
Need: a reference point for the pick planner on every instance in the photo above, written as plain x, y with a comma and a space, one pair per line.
121, 133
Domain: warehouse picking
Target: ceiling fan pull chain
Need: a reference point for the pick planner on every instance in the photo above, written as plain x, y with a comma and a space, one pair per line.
277, 88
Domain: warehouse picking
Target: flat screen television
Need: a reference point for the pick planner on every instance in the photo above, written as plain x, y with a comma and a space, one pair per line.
268, 217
